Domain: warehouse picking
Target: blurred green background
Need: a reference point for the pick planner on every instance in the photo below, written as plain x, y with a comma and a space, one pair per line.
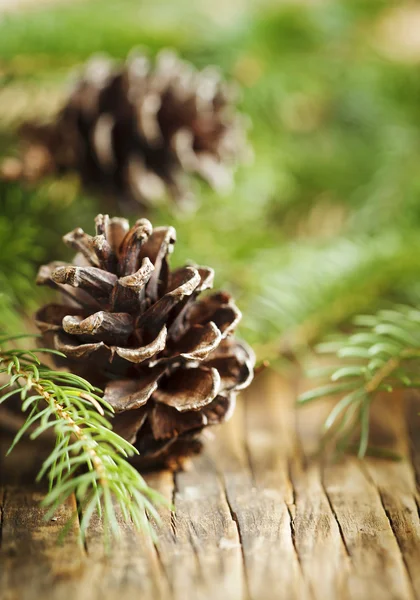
323, 224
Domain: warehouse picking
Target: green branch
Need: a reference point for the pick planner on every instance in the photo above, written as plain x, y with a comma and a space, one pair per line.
89, 459
383, 355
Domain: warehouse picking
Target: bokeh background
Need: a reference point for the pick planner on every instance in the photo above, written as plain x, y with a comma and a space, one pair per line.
323, 225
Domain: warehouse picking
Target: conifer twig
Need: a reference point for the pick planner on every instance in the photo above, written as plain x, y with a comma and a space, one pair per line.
383, 355
89, 459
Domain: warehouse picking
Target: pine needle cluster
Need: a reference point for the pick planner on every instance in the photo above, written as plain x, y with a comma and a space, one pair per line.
382, 355
88, 459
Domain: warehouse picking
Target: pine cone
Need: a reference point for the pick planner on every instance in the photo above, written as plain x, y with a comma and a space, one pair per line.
135, 129
166, 357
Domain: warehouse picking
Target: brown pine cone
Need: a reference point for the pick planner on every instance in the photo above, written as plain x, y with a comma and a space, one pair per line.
135, 129
166, 357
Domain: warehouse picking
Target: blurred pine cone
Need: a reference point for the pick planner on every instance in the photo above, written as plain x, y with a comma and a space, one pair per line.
167, 359
135, 129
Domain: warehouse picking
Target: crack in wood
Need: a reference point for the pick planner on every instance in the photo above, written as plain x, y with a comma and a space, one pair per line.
292, 518
293, 535
195, 548
173, 502
332, 509
3, 496
298, 558
418, 506
246, 446
235, 520
292, 487
392, 526
162, 568
292, 515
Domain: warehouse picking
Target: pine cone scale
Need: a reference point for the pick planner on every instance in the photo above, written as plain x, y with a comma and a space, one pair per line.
168, 422
129, 394
107, 327
138, 355
189, 389
127, 424
74, 350
197, 342
130, 291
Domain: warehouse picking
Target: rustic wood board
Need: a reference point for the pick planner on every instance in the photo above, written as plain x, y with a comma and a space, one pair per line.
257, 517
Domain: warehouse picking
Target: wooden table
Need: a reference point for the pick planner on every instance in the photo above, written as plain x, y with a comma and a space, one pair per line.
256, 518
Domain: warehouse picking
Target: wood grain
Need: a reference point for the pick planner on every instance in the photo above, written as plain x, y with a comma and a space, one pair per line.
256, 516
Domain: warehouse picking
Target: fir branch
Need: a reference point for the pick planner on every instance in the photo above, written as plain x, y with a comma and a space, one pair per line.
89, 459
322, 286
381, 356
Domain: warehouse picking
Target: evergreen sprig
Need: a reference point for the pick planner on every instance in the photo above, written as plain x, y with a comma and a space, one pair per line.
88, 459
320, 287
382, 355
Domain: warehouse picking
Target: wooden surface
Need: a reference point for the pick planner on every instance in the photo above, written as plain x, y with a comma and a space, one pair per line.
256, 518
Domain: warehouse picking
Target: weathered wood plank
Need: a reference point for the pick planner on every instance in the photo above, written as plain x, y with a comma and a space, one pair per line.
321, 550
248, 452
32, 563
396, 482
256, 516
377, 565
198, 545
373, 502
366, 497
319, 542
126, 569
